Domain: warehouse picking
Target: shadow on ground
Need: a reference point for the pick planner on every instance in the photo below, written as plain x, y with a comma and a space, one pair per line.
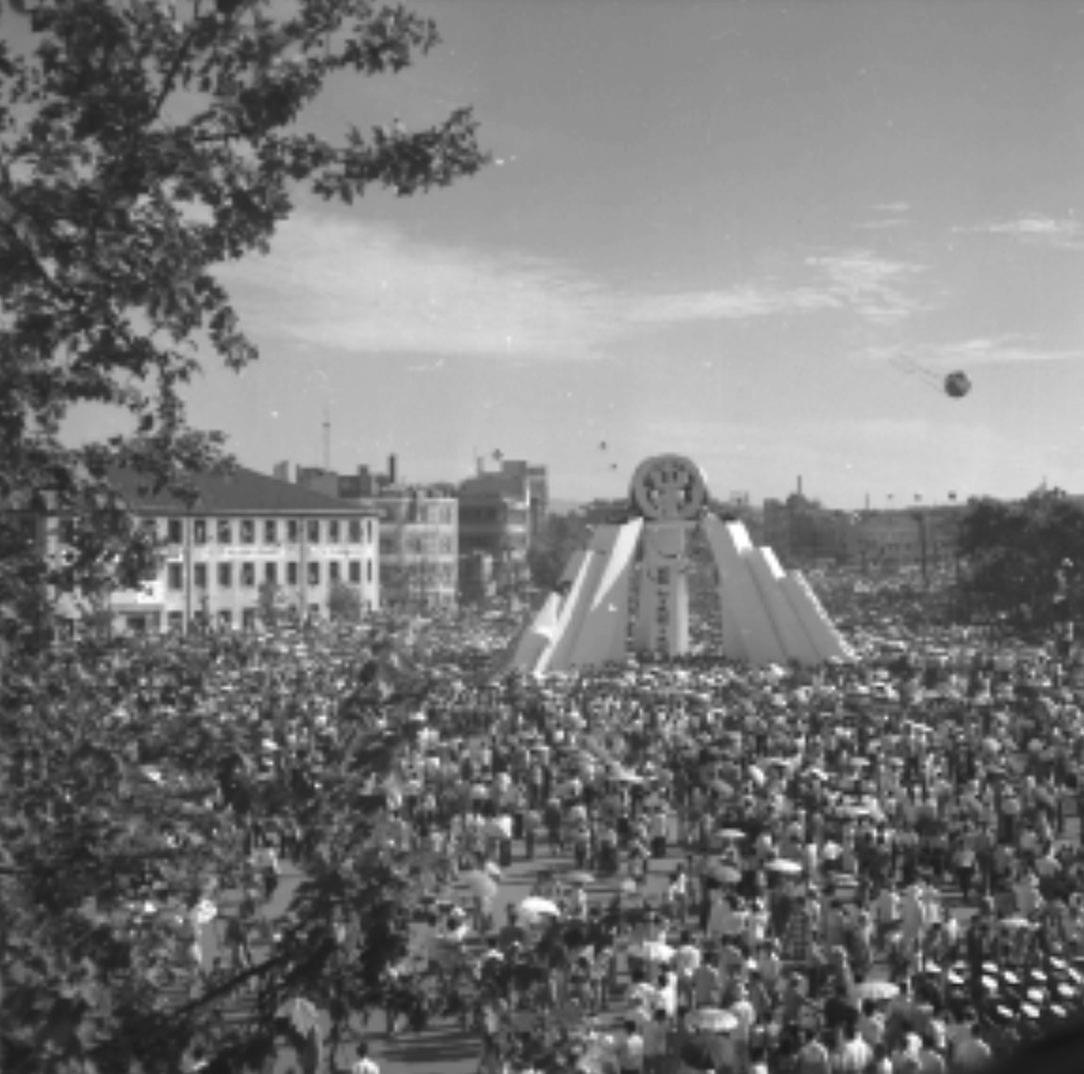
442, 1046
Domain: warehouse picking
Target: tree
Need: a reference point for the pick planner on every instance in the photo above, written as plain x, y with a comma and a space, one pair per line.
143, 144
344, 603
1011, 554
116, 809
269, 603
550, 551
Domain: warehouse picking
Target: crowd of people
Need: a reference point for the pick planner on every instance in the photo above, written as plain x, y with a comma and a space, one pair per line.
872, 866
875, 865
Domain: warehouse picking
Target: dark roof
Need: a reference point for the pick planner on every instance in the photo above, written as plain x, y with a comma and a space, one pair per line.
242, 491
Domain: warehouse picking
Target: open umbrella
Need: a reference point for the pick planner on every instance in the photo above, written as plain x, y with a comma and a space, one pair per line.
722, 873
1015, 922
731, 834
714, 1020
482, 885
580, 876
537, 906
784, 866
878, 991
302, 1015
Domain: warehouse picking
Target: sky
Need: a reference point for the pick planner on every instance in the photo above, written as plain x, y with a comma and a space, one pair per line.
757, 234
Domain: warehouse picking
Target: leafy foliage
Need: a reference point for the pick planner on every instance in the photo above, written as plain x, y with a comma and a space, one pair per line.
560, 537
133, 781
143, 144
1012, 552
344, 603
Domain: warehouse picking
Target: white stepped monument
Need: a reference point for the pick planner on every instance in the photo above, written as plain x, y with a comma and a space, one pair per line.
769, 616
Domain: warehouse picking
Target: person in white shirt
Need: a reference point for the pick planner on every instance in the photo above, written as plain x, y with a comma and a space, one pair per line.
686, 961
630, 1050
363, 1064
854, 1055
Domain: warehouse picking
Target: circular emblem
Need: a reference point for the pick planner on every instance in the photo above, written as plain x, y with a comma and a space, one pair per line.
669, 488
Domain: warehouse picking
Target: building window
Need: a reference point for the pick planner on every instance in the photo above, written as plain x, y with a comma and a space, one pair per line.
333, 530
314, 574
175, 622
174, 531
199, 530
354, 571
270, 531
368, 531
225, 575
312, 529
291, 572
368, 570
199, 575
248, 618
333, 571
291, 531
270, 573
225, 618
248, 575
354, 529
175, 576
314, 611
248, 531
224, 531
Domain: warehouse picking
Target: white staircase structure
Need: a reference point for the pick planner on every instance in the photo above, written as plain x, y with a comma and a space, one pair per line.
769, 616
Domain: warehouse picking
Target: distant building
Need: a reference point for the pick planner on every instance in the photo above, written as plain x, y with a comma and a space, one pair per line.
249, 546
803, 531
419, 532
501, 513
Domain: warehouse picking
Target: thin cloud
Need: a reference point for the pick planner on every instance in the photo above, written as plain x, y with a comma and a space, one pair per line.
1036, 229
740, 303
362, 287
979, 351
887, 215
875, 287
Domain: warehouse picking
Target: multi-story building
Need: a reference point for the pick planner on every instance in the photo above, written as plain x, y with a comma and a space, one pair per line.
249, 546
802, 531
419, 553
419, 532
501, 513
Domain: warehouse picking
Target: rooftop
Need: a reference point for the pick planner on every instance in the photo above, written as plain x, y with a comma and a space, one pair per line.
242, 491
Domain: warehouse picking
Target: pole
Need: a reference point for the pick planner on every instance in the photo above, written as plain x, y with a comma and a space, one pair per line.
186, 560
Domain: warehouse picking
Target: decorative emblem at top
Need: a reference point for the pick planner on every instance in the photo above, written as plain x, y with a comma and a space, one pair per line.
669, 488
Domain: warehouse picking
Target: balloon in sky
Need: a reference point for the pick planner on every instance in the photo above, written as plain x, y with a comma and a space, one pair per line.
957, 385
602, 445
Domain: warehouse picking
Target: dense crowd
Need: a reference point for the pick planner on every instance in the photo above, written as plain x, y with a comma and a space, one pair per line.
871, 866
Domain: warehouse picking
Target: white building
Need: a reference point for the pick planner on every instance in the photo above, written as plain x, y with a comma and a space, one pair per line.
249, 543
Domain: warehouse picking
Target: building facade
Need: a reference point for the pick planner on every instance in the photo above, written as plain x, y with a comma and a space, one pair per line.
249, 549
802, 531
501, 513
419, 532
419, 548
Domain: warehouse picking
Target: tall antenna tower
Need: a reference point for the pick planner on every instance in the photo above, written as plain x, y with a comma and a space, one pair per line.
327, 438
